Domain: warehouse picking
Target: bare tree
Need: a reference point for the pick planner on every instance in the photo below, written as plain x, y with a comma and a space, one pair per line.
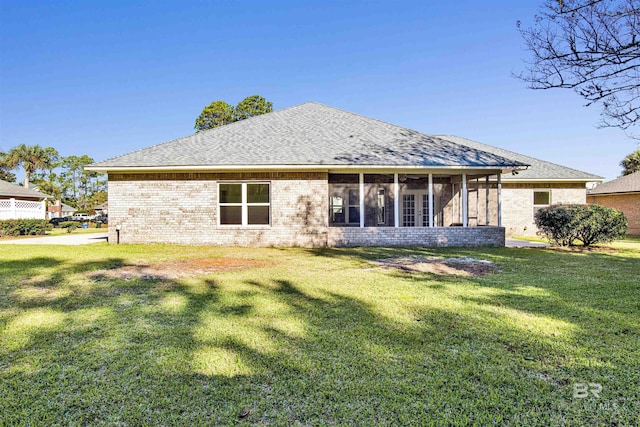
593, 47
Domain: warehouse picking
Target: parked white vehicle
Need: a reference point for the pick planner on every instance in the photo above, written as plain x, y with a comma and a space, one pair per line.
80, 217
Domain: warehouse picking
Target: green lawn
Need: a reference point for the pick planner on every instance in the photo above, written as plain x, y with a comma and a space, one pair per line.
58, 231
319, 337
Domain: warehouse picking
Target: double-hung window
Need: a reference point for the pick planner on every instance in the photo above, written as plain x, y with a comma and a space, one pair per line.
244, 203
344, 205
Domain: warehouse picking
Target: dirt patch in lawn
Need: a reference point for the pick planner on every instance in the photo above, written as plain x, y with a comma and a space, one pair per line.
179, 268
462, 266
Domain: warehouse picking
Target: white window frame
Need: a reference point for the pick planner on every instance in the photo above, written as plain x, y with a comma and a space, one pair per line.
533, 200
244, 204
342, 190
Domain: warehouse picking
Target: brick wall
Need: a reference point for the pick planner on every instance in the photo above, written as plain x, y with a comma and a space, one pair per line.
629, 204
419, 236
181, 208
517, 204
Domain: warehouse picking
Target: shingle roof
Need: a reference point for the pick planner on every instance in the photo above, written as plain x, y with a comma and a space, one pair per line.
538, 169
12, 190
624, 184
306, 135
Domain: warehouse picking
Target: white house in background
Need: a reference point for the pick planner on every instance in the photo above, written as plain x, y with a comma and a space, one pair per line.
102, 209
17, 202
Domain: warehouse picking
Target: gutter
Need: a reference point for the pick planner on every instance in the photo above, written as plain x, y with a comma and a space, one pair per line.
307, 168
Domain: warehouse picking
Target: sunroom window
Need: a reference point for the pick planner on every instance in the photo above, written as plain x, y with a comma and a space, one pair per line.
244, 203
344, 206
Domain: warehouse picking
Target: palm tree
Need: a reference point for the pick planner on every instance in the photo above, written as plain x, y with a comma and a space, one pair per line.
30, 157
5, 171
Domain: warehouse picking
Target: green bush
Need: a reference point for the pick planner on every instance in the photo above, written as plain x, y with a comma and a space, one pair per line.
24, 227
590, 224
557, 223
70, 225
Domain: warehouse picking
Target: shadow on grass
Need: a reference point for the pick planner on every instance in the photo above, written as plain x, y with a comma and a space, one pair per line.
292, 351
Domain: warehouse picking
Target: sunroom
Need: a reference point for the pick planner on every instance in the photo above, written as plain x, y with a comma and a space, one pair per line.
424, 199
439, 208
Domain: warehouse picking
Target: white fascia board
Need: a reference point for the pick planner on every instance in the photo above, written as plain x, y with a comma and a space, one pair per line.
620, 193
520, 180
306, 168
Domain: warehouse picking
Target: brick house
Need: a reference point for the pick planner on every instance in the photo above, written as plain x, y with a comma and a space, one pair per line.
311, 175
60, 210
622, 194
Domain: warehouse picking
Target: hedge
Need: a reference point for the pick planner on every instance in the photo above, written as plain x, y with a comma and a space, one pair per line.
24, 227
590, 224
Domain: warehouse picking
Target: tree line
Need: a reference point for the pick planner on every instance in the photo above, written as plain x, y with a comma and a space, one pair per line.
220, 113
58, 176
66, 179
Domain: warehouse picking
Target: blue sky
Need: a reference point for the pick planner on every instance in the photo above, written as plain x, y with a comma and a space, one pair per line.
105, 78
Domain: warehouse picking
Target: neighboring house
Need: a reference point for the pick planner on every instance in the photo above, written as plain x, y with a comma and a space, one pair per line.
622, 194
311, 175
60, 210
102, 209
17, 202
542, 184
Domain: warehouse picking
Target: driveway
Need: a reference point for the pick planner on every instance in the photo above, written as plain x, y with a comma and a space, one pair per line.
515, 243
69, 239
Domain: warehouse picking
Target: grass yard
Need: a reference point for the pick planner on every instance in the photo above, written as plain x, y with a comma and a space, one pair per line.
59, 231
317, 337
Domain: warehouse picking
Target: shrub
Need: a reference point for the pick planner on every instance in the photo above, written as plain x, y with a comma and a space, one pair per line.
24, 227
70, 225
599, 224
557, 223
565, 224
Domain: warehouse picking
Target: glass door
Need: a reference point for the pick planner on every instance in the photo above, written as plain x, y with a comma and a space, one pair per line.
415, 208
408, 210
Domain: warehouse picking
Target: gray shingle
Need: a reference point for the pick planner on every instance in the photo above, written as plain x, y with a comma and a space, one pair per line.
310, 134
624, 184
12, 190
538, 169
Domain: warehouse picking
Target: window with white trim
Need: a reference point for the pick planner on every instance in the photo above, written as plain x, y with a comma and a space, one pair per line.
344, 205
244, 203
541, 199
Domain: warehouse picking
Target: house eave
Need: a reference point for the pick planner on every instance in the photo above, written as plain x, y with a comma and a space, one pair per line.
306, 168
617, 193
25, 196
585, 180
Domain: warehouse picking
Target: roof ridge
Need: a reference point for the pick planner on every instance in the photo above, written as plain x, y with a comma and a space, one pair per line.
364, 117
313, 133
